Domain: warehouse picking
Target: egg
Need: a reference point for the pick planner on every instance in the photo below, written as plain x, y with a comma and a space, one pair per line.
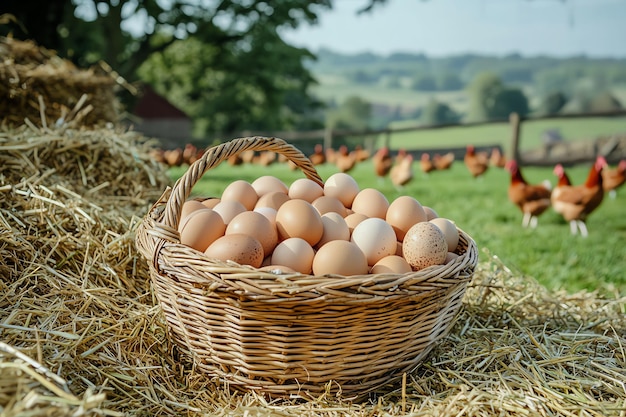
242, 191
305, 189
201, 228
268, 212
325, 204
335, 228
267, 184
211, 202
451, 256
376, 239
295, 253
353, 219
430, 213
190, 206
340, 257
371, 202
404, 212
297, 218
240, 248
229, 209
449, 230
256, 225
273, 199
424, 245
392, 264
341, 186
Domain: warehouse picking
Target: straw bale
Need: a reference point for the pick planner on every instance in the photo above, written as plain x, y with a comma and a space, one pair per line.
28, 72
82, 333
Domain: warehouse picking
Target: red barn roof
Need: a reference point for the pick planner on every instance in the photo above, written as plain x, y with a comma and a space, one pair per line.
153, 106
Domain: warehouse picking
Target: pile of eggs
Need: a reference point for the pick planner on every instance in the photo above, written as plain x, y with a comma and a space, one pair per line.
336, 228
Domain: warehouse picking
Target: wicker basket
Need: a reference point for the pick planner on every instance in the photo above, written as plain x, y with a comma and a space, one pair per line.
286, 335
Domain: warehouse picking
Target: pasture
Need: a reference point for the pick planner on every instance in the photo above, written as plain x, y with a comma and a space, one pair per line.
481, 207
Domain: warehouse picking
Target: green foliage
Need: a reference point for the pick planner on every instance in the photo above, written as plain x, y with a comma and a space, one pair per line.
436, 113
552, 103
353, 113
425, 83
491, 99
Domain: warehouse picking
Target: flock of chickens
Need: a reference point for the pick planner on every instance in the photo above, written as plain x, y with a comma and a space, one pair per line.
574, 202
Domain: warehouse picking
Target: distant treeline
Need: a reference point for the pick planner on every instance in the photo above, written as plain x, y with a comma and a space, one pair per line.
424, 73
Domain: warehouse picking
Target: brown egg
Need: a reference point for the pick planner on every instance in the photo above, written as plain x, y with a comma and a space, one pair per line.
353, 219
341, 186
430, 213
404, 212
424, 245
240, 248
326, 204
392, 264
305, 189
335, 228
297, 218
229, 209
267, 184
256, 225
295, 253
241, 191
371, 202
449, 230
211, 202
273, 199
340, 257
189, 206
201, 228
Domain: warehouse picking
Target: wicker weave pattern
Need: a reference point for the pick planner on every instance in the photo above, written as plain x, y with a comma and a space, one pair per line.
287, 334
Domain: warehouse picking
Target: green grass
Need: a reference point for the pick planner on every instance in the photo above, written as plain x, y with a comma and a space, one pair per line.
501, 133
481, 208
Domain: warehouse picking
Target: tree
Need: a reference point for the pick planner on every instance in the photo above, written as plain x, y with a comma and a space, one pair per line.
490, 99
353, 113
552, 103
243, 81
436, 113
424, 83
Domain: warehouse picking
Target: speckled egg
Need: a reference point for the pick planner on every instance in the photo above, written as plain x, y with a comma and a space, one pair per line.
424, 245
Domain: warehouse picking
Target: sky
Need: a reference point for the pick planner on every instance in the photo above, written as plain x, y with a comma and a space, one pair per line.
596, 28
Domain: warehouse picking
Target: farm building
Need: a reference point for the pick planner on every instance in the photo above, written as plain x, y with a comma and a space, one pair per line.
158, 118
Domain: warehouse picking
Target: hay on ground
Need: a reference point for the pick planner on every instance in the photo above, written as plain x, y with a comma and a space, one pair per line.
82, 334
35, 81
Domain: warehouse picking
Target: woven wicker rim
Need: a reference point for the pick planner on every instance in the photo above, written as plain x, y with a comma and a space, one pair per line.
159, 241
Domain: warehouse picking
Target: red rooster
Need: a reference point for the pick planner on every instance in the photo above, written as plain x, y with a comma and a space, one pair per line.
476, 162
613, 178
532, 200
576, 202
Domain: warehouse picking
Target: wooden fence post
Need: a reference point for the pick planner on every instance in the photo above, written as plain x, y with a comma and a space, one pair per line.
514, 119
328, 138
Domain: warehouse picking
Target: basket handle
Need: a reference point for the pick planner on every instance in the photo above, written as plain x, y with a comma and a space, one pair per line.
215, 155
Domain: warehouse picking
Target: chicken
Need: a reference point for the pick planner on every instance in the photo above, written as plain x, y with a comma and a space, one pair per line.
477, 163
496, 159
382, 162
331, 155
361, 154
443, 162
562, 180
576, 202
402, 171
345, 160
318, 157
173, 157
613, 178
532, 200
426, 164
190, 152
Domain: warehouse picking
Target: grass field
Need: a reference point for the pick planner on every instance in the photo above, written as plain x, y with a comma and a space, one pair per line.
481, 208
